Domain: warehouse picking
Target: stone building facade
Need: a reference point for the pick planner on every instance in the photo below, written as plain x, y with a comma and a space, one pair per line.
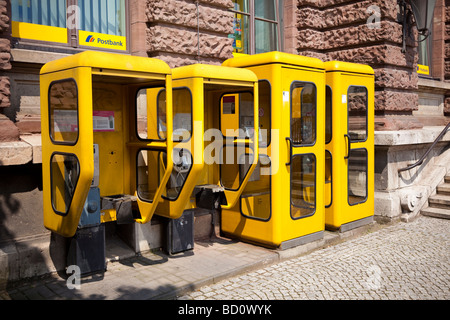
8, 131
410, 109
447, 52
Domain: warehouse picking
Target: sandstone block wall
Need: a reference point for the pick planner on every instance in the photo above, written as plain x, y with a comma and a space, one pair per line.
179, 34
5, 56
447, 54
8, 131
365, 32
447, 41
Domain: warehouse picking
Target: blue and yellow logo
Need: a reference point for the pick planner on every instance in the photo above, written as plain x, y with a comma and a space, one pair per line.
101, 40
421, 69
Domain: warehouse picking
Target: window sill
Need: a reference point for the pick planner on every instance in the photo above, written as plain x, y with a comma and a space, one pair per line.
28, 150
409, 137
433, 85
34, 56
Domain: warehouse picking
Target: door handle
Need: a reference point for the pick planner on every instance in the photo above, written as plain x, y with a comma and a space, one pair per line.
349, 142
290, 150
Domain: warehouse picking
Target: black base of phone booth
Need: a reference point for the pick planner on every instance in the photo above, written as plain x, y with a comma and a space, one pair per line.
87, 250
180, 233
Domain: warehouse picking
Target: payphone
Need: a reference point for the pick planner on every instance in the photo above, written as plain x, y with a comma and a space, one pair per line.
102, 159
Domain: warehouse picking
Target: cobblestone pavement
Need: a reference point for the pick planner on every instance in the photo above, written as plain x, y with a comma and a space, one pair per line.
402, 261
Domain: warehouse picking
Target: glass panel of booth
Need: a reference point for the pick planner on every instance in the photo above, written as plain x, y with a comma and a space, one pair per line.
265, 113
237, 115
328, 178
256, 198
63, 108
152, 125
328, 115
328, 156
182, 114
303, 185
237, 127
151, 122
357, 113
151, 166
182, 164
236, 162
357, 176
64, 173
303, 113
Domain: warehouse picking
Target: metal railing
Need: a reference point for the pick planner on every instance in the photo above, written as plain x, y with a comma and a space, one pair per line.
420, 161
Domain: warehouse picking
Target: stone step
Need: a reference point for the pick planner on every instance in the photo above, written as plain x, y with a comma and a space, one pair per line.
436, 213
447, 178
443, 189
439, 201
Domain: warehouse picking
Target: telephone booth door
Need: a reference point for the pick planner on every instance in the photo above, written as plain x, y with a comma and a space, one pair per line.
91, 139
350, 145
187, 120
67, 147
282, 205
303, 175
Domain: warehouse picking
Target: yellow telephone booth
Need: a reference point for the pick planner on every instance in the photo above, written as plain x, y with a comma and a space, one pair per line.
107, 149
283, 203
349, 145
225, 121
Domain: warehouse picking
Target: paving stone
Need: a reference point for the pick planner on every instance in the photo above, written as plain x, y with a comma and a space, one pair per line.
401, 261
380, 265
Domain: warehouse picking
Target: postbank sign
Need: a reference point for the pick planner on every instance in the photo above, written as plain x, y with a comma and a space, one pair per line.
421, 69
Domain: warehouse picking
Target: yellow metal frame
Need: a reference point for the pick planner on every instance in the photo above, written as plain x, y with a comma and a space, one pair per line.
340, 76
281, 70
204, 81
66, 225
124, 75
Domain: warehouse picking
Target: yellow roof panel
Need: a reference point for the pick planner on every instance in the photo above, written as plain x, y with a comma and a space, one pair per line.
274, 57
331, 66
106, 60
213, 72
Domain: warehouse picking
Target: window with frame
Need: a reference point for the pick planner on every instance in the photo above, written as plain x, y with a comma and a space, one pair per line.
303, 185
64, 174
426, 19
256, 26
63, 112
93, 24
303, 113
